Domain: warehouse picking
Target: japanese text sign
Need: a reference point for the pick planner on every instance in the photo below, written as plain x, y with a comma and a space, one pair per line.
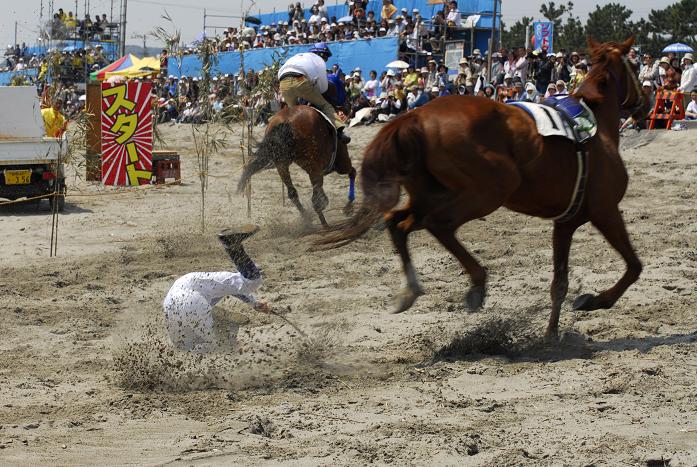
544, 35
126, 133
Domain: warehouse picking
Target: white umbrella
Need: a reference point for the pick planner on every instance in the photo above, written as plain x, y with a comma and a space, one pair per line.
398, 64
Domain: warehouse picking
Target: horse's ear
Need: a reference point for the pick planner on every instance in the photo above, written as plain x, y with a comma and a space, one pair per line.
592, 43
626, 45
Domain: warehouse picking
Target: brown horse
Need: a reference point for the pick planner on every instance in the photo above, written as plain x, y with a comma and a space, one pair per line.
301, 135
461, 158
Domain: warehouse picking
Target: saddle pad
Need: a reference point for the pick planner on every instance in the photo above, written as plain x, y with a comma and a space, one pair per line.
330, 166
547, 120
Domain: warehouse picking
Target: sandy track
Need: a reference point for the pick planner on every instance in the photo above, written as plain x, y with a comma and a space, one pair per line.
82, 329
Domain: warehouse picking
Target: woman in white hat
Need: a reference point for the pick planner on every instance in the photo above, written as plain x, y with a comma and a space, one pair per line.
688, 80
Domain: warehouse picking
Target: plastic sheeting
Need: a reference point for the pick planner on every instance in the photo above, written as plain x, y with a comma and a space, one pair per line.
368, 54
6, 76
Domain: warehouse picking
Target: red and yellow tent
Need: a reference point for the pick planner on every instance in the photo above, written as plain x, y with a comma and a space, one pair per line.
128, 66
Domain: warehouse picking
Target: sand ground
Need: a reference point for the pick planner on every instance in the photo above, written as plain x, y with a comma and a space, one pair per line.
88, 377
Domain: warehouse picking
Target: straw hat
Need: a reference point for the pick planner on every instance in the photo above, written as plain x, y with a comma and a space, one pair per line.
689, 57
665, 60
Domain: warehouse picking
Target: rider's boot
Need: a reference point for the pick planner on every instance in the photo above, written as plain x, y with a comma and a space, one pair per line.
343, 137
232, 242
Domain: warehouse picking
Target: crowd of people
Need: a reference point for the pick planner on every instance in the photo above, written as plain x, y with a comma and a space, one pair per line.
416, 33
517, 74
68, 26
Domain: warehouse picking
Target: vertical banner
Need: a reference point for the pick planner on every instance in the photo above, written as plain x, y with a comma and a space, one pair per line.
544, 35
126, 133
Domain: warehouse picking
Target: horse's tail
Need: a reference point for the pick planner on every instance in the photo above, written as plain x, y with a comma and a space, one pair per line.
276, 146
388, 160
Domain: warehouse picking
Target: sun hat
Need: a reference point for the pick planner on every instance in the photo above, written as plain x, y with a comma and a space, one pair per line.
463, 61
560, 83
647, 84
434, 89
688, 56
390, 72
665, 60
424, 70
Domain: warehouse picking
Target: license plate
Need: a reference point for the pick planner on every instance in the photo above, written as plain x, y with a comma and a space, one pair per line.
17, 177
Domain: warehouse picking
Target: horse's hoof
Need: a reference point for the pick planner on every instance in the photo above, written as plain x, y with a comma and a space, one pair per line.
475, 297
405, 299
584, 302
551, 337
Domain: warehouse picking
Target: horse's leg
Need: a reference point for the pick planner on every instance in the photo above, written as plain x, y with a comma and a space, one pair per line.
477, 292
561, 244
292, 192
399, 225
319, 198
348, 209
343, 166
611, 225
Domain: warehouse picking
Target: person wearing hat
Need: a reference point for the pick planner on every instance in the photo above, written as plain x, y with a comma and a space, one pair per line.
189, 303
530, 94
304, 76
688, 80
561, 88
666, 75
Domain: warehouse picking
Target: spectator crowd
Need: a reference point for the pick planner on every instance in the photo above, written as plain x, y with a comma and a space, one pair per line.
516, 74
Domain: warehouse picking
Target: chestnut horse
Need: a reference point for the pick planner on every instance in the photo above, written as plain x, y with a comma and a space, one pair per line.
301, 135
461, 158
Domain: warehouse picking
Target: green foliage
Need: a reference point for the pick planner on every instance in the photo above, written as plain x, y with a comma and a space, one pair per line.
678, 22
610, 22
515, 36
572, 36
554, 14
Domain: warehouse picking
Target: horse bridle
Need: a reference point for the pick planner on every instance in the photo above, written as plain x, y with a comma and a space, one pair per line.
634, 81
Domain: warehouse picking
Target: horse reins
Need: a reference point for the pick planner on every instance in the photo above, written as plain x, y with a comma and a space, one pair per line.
630, 78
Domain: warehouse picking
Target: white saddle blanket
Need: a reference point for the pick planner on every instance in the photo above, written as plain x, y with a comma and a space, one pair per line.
547, 120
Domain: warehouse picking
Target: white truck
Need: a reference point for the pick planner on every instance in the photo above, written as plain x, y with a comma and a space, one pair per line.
30, 162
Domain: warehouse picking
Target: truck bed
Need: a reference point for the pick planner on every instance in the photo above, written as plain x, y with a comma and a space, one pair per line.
15, 151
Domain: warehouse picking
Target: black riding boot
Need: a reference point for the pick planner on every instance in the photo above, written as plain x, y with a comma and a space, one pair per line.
343, 137
232, 242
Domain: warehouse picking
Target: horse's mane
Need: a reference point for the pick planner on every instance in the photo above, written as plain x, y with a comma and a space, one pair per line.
591, 87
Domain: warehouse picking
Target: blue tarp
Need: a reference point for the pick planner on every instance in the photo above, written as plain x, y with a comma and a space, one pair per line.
427, 10
109, 47
369, 54
6, 76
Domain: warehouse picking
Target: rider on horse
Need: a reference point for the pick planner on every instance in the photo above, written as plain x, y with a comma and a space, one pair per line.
304, 76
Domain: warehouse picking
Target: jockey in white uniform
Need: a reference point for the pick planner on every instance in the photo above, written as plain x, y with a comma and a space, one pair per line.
189, 302
304, 76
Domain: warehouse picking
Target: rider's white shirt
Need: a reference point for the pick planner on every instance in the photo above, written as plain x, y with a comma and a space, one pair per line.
189, 301
311, 66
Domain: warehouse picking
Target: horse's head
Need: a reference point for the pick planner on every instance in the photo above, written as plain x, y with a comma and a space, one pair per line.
612, 71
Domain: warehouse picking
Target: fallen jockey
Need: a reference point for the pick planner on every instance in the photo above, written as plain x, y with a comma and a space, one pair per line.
304, 76
191, 298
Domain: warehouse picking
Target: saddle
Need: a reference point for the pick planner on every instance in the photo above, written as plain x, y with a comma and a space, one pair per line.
570, 118
563, 116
